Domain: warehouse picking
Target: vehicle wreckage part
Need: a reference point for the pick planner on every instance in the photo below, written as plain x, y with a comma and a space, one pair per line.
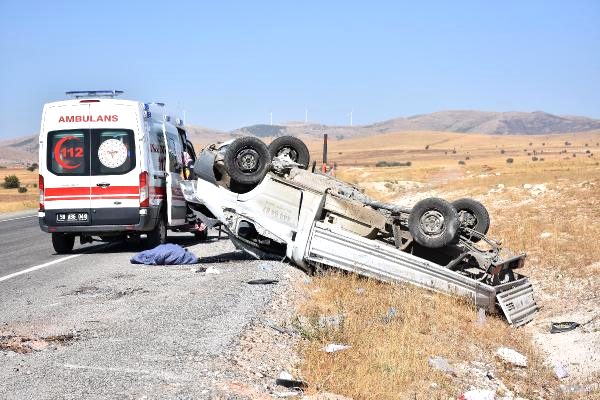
433, 223
247, 160
473, 215
335, 247
292, 147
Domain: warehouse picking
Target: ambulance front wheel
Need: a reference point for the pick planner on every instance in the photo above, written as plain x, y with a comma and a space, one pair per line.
158, 235
63, 242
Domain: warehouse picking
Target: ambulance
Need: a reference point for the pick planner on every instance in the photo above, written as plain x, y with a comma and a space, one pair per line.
111, 168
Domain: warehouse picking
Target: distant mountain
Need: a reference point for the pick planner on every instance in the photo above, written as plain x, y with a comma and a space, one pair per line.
498, 123
24, 150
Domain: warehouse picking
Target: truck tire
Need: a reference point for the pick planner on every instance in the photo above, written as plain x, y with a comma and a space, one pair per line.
472, 214
247, 160
433, 223
158, 235
63, 243
293, 147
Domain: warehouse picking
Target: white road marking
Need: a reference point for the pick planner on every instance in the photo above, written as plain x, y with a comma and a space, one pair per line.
25, 271
14, 219
35, 268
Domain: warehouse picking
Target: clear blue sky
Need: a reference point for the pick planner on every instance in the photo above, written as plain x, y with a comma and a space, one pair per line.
231, 63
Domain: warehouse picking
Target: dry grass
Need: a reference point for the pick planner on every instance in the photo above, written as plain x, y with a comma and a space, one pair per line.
390, 360
10, 199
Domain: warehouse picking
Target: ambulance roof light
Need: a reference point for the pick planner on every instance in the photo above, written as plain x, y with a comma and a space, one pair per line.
78, 94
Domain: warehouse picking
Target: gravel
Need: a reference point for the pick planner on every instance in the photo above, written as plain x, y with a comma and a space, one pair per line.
152, 332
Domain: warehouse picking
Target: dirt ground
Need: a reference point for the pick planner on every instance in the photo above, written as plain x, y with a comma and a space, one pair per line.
547, 208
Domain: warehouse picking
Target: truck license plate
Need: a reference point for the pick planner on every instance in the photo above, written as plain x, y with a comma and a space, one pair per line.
71, 217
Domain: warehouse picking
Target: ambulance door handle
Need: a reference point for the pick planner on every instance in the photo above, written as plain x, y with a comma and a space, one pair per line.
103, 185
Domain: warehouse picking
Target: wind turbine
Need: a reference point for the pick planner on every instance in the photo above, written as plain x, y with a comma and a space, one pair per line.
271, 118
351, 111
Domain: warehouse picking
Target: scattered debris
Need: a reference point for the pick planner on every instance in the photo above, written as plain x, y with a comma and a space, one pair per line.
198, 269
165, 254
561, 371
559, 327
481, 316
287, 380
262, 282
360, 291
333, 347
511, 356
212, 271
266, 267
391, 314
442, 365
478, 394
330, 321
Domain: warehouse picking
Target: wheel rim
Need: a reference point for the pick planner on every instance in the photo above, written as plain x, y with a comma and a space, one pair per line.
467, 219
432, 222
247, 160
288, 152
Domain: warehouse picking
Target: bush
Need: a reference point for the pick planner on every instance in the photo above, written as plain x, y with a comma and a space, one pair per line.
393, 164
22, 189
467, 158
509, 160
534, 158
427, 147
567, 143
11, 182
461, 162
502, 151
32, 167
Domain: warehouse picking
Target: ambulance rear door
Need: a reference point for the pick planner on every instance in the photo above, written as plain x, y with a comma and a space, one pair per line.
65, 164
114, 163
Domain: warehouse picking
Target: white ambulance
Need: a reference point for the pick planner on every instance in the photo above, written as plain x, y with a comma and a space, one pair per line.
111, 168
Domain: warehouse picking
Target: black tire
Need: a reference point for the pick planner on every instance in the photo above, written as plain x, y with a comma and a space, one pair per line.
247, 160
158, 235
296, 149
472, 214
433, 223
63, 243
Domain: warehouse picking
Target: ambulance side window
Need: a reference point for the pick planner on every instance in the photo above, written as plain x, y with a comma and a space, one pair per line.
68, 152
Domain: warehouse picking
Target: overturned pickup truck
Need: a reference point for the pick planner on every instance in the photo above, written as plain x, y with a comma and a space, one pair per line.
272, 206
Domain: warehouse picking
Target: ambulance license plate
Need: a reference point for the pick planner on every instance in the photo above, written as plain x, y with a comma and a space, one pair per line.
71, 217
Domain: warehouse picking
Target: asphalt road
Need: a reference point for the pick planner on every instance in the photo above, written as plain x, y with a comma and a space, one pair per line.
95, 326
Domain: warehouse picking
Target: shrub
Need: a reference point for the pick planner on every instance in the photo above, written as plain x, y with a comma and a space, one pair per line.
22, 189
35, 185
11, 182
534, 158
567, 143
574, 155
461, 162
542, 159
427, 147
543, 143
509, 160
587, 151
32, 167
502, 151
467, 158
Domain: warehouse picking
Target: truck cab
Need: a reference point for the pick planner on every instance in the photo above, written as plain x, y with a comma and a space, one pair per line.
111, 168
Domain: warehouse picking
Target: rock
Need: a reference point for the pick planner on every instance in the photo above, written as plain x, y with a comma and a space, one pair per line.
360, 291
333, 347
527, 186
442, 365
561, 371
391, 314
212, 271
545, 235
478, 394
511, 356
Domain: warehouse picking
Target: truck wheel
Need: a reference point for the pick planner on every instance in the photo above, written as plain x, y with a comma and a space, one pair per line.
291, 146
63, 243
158, 235
472, 214
433, 223
247, 160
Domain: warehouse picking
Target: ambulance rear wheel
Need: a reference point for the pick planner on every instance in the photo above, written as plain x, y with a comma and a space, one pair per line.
62, 242
158, 235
